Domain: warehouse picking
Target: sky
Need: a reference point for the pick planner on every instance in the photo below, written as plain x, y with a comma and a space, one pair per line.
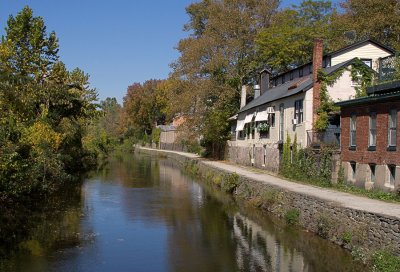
116, 42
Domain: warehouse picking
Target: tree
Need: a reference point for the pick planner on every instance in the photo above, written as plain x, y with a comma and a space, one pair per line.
141, 110
45, 110
216, 60
288, 41
27, 49
368, 19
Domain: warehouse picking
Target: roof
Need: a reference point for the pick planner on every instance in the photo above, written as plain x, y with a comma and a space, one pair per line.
290, 88
167, 127
377, 93
356, 44
384, 88
370, 99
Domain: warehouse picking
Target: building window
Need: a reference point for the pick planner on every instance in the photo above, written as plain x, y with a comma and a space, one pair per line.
392, 174
353, 130
367, 62
300, 72
298, 111
265, 155
353, 168
271, 119
372, 129
372, 167
291, 75
283, 79
392, 128
281, 121
310, 69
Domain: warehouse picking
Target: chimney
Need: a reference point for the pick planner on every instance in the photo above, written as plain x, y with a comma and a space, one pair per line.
317, 64
243, 96
256, 91
265, 76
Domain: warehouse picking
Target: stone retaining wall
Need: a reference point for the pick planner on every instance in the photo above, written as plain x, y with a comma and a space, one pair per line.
353, 229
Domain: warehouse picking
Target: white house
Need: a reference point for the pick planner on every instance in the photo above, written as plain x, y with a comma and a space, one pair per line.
288, 103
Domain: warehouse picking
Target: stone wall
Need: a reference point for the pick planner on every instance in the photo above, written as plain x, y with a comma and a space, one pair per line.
243, 155
350, 228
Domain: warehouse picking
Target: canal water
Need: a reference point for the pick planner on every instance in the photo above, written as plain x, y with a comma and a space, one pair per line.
143, 213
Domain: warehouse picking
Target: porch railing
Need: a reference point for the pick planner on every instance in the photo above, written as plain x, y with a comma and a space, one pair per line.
389, 68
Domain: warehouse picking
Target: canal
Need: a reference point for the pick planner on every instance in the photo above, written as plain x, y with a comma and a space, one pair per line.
143, 213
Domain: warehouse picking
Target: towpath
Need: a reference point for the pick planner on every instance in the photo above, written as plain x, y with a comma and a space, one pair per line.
341, 198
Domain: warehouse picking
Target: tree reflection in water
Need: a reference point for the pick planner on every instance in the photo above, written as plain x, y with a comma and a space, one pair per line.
143, 213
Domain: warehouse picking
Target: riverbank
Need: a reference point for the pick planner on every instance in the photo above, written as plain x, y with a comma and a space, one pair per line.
359, 224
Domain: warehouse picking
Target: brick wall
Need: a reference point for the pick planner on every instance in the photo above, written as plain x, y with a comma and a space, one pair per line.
361, 154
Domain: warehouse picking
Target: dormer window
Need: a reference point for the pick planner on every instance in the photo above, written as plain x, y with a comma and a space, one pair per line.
367, 62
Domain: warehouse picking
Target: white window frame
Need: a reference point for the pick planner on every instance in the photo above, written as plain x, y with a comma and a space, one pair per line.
392, 128
353, 130
372, 129
298, 111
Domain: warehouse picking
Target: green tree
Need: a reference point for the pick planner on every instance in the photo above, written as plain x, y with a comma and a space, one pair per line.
216, 60
362, 19
45, 110
288, 41
27, 49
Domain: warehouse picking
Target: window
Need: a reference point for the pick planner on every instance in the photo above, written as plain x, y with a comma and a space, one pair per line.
392, 174
271, 119
372, 129
300, 72
310, 69
291, 75
298, 111
353, 168
283, 79
281, 121
367, 62
265, 154
392, 133
372, 167
353, 127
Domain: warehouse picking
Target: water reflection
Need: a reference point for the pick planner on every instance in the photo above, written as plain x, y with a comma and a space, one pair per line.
142, 213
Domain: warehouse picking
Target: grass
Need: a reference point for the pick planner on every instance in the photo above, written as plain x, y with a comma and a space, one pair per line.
385, 261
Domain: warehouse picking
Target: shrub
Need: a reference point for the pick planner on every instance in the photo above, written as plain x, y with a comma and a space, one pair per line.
292, 216
347, 237
230, 182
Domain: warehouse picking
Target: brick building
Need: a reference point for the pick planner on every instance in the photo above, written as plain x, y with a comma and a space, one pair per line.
370, 140
286, 104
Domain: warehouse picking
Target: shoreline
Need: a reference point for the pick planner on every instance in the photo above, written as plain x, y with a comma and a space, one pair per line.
353, 222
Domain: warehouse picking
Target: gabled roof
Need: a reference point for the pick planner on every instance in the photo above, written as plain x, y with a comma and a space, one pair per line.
356, 44
290, 88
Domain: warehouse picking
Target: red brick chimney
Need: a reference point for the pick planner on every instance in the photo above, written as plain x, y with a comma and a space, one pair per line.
317, 64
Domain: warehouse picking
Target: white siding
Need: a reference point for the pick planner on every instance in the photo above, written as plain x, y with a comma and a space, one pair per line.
365, 51
289, 128
342, 89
